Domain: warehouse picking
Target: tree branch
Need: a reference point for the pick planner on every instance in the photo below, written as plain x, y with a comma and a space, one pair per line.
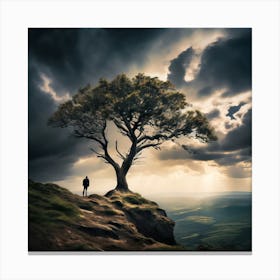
122, 129
77, 133
131, 134
154, 145
157, 137
137, 157
103, 133
119, 153
136, 123
98, 154
130, 156
104, 145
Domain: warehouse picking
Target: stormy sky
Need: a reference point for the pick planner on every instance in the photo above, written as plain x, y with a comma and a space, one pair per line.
212, 67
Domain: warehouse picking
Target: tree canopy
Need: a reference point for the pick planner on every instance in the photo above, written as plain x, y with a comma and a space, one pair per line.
144, 109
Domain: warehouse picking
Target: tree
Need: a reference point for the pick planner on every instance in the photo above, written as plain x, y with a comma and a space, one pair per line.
146, 110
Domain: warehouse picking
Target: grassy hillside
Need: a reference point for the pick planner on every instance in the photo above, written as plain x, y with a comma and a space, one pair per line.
60, 220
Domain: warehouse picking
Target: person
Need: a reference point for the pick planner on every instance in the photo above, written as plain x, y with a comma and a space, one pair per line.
85, 184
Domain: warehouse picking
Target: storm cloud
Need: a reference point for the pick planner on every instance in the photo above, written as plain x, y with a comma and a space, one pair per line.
224, 64
234, 109
213, 114
234, 148
51, 151
178, 67
227, 64
241, 137
72, 58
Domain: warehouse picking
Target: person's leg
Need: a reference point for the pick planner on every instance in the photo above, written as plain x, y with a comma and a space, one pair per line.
83, 191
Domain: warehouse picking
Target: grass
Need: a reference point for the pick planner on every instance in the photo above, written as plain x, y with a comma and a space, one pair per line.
47, 206
85, 205
133, 201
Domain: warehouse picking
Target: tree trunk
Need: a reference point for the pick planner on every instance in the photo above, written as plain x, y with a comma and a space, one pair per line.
122, 171
121, 180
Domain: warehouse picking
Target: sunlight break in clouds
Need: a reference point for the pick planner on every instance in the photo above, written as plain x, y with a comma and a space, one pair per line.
47, 88
163, 51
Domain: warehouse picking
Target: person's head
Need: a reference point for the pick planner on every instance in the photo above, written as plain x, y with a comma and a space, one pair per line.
86, 177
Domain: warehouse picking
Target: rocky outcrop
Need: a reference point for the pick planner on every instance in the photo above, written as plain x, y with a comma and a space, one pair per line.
60, 220
149, 219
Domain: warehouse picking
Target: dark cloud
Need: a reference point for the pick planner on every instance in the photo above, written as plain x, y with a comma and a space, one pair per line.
178, 66
232, 159
213, 114
73, 57
205, 91
51, 152
196, 154
234, 109
233, 149
241, 137
226, 63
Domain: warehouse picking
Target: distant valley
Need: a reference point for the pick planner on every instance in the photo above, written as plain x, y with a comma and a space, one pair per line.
215, 222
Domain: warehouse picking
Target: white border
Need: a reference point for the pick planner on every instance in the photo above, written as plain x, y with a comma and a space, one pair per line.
17, 16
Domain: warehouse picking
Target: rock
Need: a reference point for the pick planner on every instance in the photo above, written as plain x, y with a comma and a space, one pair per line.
148, 218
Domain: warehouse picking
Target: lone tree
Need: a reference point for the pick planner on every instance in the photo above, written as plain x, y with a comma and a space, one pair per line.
146, 110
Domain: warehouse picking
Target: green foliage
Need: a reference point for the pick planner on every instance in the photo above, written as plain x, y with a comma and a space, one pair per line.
134, 105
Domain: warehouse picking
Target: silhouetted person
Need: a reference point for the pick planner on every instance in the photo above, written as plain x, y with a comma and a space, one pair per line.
85, 184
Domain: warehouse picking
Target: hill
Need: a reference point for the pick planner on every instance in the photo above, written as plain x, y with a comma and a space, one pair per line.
59, 220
